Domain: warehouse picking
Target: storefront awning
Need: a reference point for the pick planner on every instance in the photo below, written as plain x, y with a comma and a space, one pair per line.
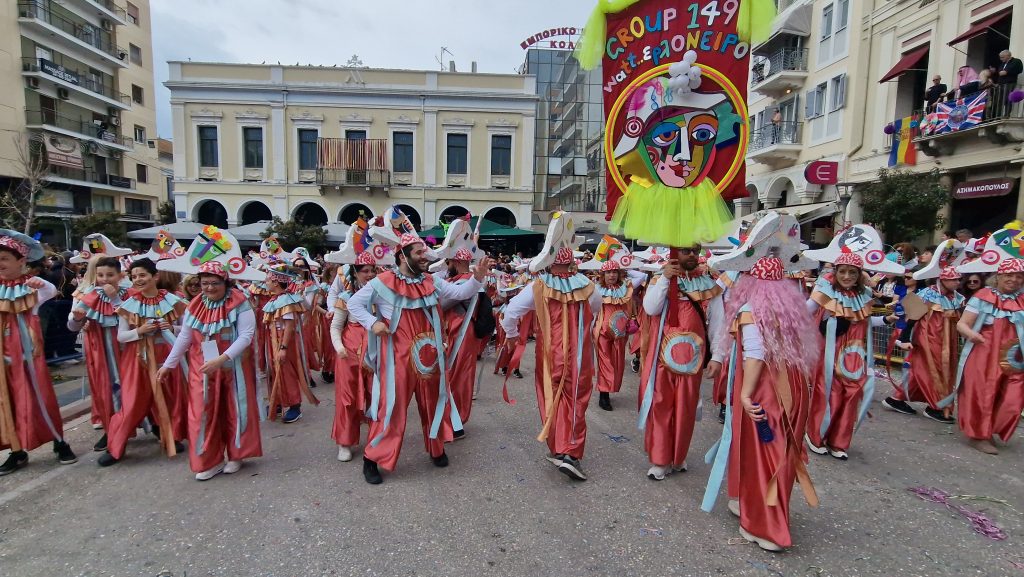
793, 21
980, 27
62, 151
906, 63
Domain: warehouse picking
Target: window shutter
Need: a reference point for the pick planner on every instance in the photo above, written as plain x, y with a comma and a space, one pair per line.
841, 102
809, 105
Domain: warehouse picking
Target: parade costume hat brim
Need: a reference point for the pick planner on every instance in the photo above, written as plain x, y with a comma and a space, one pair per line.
774, 235
212, 244
561, 234
997, 249
862, 240
97, 244
950, 252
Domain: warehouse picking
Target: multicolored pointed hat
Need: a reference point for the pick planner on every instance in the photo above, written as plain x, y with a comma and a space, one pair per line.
863, 241
213, 244
164, 247
97, 244
775, 236
460, 237
560, 239
611, 254
360, 247
1004, 244
949, 253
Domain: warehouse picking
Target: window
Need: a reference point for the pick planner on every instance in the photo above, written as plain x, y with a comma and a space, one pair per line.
141, 174
501, 154
208, 154
835, 20
137, 94
134, 54
815, 105
102, 203
133, 14
824, 109
140, 134
253, 138
457, 153
402, 142
307, 148
355, 134
137, 207
837, 93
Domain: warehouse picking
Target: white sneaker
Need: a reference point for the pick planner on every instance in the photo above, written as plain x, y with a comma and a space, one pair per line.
656, 473
344, 454
841, 455
97, 426
681, 468
762, 543
232, 467
210, 473
814, 448
734, 507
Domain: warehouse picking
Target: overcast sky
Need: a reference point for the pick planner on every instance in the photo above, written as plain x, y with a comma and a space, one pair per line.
383, 33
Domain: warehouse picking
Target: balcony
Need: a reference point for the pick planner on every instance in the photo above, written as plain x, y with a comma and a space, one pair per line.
74, 79
75, 36
992, 117
77, 128
776, 145
353, 162
90, 178
780, 72
105, 9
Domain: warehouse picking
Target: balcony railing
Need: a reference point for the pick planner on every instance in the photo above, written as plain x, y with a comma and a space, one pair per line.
997, 107
352, 161
782, 60
91, 35
74, 76
775, 134
90, 175
116, 10
87, 128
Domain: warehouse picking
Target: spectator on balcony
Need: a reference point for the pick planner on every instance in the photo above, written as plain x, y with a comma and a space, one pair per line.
935, 92
1010, 68
966, 81
776, 126
985, 80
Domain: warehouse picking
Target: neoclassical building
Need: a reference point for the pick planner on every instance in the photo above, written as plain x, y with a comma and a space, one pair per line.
324, 144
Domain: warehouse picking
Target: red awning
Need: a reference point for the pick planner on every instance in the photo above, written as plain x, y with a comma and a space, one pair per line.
980, 28
906, 63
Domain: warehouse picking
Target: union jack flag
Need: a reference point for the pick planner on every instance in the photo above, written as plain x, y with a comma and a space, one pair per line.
963, 114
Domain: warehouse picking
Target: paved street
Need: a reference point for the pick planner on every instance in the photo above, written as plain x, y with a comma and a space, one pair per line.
500, 508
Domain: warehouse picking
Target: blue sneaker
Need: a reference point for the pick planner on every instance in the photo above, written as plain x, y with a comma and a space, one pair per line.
293, 414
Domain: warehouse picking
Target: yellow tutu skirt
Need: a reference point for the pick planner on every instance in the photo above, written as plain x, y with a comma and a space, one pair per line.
675, 217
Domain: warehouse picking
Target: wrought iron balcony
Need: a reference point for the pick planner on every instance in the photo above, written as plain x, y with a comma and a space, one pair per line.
46, 13
986, 113
79, 128
76, 77
782, 70
776, 144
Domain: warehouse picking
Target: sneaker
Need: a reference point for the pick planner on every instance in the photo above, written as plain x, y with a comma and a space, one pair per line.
516, 374
721, 413
327, 377
441, 461
605, 402
985, 446
814, 448
344, 454
106, 460
938, 415
293, 414
634, 365
680, 468
838, 453
460, 434
656, 473
97, 426
572, 468
64, 453
16, 460
370, 472
762, 543
504, 371
232, 467
898, 406
555, 460
210, 473
734, 507
100, 445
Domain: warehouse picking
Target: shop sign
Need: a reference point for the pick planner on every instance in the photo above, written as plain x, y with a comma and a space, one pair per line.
984, 188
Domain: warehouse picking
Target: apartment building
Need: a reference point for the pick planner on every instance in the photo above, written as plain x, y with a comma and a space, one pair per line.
325, 144
77, 87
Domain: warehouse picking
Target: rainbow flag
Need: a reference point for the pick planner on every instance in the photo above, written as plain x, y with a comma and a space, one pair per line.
903, 151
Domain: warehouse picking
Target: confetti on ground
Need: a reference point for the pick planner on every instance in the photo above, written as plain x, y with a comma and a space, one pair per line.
765, 567
981, 524
617, 438
650, 532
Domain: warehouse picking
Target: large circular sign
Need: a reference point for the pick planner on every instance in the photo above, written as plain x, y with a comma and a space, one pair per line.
682, 352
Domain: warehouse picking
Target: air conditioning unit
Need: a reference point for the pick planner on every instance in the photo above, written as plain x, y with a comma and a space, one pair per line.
63, 93
32, 82
113, 112
121, 55
115, 121
107, 24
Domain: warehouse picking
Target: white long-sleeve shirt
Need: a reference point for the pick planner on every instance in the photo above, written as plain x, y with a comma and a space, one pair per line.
336, 289
523, 303
657, 295
636, 278
361, 303
246, 329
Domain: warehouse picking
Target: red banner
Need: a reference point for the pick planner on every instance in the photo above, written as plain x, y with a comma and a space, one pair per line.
675, 81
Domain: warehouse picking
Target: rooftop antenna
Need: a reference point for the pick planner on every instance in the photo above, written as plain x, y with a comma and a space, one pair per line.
440, 58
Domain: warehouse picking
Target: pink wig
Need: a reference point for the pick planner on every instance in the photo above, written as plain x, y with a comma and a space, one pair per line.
789, 335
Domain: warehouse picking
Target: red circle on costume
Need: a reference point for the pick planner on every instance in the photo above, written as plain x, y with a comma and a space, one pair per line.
86, 255
236, 264
179, 251
264, 254
633, 127
379, 251
990, 257
626, 260
427, 355
619, 323
874, 256
853, 362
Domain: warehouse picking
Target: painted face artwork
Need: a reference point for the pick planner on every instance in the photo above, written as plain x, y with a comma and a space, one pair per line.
680, 145
209, 245
1011, 241
855, 238
96, 245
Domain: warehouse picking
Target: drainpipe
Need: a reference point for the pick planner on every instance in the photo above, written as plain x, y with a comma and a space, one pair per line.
423, 188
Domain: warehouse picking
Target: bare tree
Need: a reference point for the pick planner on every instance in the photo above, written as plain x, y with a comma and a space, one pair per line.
18, 202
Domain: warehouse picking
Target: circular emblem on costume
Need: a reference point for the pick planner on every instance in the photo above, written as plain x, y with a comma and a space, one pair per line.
379, 251
990, 257
86, 255
424, 354
178, 251
264, 254
682, 353
634, 126
236, 264
617, 323
626, 260
1013, 360
874, 256
851, 361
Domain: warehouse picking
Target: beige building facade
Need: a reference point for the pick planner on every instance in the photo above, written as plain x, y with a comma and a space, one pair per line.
77, 85
324, 144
